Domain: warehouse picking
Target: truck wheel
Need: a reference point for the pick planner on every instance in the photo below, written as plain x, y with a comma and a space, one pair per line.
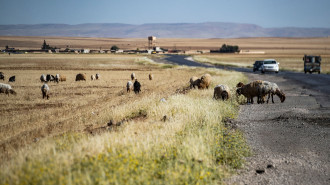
305, 72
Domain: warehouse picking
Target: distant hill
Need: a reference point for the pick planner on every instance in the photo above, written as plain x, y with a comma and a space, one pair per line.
177, 30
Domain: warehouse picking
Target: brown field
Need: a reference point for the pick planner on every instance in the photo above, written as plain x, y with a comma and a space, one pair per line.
73, 106
287, 46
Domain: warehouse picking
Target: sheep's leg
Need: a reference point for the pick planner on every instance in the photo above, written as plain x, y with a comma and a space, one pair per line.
272, 98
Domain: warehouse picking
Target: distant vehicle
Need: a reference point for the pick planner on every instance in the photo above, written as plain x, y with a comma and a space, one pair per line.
312, 63
269, 65
256, 66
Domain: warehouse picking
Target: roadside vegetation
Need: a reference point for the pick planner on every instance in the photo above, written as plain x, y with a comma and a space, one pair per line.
182, 140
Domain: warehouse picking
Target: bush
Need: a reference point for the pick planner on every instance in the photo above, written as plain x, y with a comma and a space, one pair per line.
229, 49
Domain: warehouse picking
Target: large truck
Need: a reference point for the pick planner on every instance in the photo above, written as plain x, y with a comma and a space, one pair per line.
312, 63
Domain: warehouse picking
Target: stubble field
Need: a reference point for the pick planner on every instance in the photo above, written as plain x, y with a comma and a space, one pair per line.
66, 140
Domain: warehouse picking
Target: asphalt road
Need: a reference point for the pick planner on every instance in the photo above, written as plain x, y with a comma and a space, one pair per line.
290, 140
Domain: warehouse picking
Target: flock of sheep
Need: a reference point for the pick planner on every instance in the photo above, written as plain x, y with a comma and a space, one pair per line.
7, 89
259, 89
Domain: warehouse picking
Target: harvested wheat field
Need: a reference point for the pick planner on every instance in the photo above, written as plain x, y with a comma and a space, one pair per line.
167, 134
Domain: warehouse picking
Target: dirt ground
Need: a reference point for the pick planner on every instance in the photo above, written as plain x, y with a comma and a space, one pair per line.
290, 140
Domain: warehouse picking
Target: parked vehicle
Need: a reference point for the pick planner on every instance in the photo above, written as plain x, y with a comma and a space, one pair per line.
256, 66
269, 65
312, 63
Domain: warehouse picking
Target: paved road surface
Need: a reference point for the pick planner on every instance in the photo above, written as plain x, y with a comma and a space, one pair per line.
290, 140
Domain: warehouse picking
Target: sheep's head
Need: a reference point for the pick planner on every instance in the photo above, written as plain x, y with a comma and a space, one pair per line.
280, 94
240, 84
12, 92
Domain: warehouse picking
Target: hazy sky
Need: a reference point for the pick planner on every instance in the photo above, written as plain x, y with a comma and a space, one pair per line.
265, 13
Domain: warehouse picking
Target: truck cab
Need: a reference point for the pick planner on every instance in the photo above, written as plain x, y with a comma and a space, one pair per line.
312, 63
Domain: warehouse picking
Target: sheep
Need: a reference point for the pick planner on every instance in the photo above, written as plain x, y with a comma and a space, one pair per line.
50, 78
80, 76
221, 91
250, 91
92, 77
45, 91
43, 78
62, 78
137, 86
6, 89
97, 76
205, 81
12, 79
270, 89
240, 84
133, 76
2, 76
129, 86
194, 81
57, 78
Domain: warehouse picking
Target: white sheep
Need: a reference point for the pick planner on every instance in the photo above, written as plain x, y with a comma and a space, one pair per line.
45, 91
270, 89
57, 78
129, 86
6, 89
43, 78
221, 91
92, 77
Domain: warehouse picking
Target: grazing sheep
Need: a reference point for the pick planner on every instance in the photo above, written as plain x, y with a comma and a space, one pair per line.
250, 91
50, 78
45, 91
43, 78
194, 81
6, 89
97, 76
205, 81
57, 78
151, 76
92, 77
62, 78
80, 76
129, 86
270, 89
221, 91
12, 79
2, 76
137, 86
133, 76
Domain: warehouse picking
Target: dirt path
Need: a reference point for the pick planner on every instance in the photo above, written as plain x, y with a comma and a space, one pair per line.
291, 140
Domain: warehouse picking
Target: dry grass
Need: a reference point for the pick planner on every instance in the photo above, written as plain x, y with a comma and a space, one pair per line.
192, 146
27, 116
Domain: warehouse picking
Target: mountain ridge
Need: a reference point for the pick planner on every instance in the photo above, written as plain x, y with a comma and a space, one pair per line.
163, 30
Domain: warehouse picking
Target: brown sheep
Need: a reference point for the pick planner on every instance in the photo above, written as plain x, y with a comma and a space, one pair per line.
205, 81
62, 78
221, 91
250, 91
80, 76
151, 76
194, 81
